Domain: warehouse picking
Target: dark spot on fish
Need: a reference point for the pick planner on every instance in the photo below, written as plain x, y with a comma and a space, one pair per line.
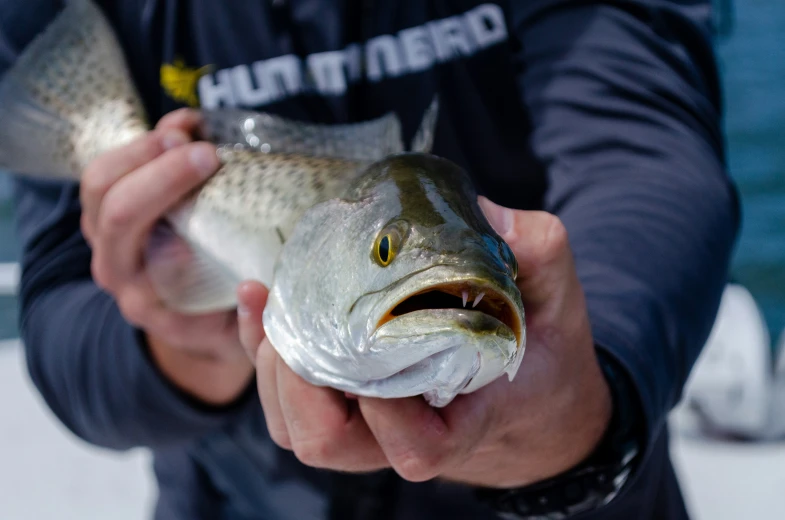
280, 235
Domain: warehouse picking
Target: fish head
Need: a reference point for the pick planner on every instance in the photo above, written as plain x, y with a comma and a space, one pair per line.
408, 289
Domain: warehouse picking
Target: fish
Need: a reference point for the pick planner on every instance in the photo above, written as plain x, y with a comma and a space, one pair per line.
415, 290
386, 279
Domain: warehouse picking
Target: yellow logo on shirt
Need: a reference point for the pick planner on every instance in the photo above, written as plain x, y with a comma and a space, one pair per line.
180, 82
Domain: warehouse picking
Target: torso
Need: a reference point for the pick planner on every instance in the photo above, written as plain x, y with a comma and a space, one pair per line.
304, 60
345, 61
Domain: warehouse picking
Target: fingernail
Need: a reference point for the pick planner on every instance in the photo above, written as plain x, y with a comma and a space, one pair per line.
498, 216
173, 139
205, 160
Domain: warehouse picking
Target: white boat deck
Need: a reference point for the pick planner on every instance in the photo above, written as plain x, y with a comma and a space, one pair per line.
47, 473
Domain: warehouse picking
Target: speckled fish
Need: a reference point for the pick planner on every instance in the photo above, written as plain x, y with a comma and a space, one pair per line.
386, 279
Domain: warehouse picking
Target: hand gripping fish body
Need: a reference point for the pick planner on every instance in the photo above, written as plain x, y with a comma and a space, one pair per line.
385, 278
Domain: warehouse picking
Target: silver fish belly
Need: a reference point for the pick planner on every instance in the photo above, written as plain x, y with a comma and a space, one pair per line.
398, 288
386, 280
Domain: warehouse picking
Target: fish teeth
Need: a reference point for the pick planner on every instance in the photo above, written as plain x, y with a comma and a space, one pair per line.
465, 297
478, 299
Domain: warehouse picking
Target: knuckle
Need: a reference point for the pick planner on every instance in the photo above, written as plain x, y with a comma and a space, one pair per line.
133, 308
101, 172
179, 171
95, 182
416, 465
555, 239
315, 451
101, 272
280, 438
116, 216
151, 145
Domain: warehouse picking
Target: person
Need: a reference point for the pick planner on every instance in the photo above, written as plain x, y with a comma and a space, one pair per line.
592, 129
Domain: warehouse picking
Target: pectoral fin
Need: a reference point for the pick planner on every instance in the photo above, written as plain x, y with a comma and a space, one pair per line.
186, 279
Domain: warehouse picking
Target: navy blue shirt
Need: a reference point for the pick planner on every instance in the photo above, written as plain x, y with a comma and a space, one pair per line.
607, 114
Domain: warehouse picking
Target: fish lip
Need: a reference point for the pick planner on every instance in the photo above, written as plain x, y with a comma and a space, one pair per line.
456, 278
456, 312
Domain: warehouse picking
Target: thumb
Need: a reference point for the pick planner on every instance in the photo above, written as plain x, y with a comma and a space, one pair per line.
539, 242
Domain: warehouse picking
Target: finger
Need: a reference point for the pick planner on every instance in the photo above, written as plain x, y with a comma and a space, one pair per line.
185, 119
540, 244
213, 335
325, 430
266, 367
251, 299
416, 439
103, 172
136, 202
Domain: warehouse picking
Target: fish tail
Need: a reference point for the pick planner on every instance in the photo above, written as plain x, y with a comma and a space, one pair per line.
68, 97
423, 139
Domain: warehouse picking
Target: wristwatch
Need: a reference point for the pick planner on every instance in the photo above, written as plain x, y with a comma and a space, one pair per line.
595, 481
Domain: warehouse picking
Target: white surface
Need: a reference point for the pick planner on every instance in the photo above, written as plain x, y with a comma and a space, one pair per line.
9, 278
47, 473
732, 379
730, 481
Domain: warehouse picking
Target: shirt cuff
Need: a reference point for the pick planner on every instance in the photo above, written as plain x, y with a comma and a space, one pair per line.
166, 414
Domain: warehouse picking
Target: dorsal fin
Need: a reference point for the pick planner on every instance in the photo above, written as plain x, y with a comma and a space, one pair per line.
423, 140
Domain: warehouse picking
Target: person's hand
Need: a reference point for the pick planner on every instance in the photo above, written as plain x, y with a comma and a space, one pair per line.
548, 420
123, 193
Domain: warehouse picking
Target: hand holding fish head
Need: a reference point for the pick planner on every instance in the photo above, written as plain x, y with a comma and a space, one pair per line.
548, 419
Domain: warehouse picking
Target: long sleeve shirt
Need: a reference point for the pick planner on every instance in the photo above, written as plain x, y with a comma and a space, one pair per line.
607, 114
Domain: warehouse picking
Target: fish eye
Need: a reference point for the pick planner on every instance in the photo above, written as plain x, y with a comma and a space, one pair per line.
384, 250
388, 243
386, 247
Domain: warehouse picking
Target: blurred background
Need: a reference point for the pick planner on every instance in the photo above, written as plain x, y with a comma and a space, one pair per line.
729, 472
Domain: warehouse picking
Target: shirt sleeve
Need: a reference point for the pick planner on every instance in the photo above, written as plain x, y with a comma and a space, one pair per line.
92, 367
625, 104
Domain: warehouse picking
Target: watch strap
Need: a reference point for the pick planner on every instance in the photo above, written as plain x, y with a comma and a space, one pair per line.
595, 481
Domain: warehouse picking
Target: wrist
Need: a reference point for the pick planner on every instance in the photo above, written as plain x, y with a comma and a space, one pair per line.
595, 481
210, 380
596, 422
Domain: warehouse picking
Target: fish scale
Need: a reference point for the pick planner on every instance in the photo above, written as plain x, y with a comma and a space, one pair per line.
63, 94
302, 208
277, 188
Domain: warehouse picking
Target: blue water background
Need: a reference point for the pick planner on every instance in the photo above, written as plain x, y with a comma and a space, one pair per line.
752, 61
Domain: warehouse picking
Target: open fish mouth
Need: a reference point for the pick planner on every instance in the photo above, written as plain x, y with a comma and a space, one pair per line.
463, 296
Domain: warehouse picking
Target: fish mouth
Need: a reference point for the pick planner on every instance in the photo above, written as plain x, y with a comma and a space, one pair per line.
463, 296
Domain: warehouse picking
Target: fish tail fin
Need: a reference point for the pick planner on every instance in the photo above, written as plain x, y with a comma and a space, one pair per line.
68, 97
423, 140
